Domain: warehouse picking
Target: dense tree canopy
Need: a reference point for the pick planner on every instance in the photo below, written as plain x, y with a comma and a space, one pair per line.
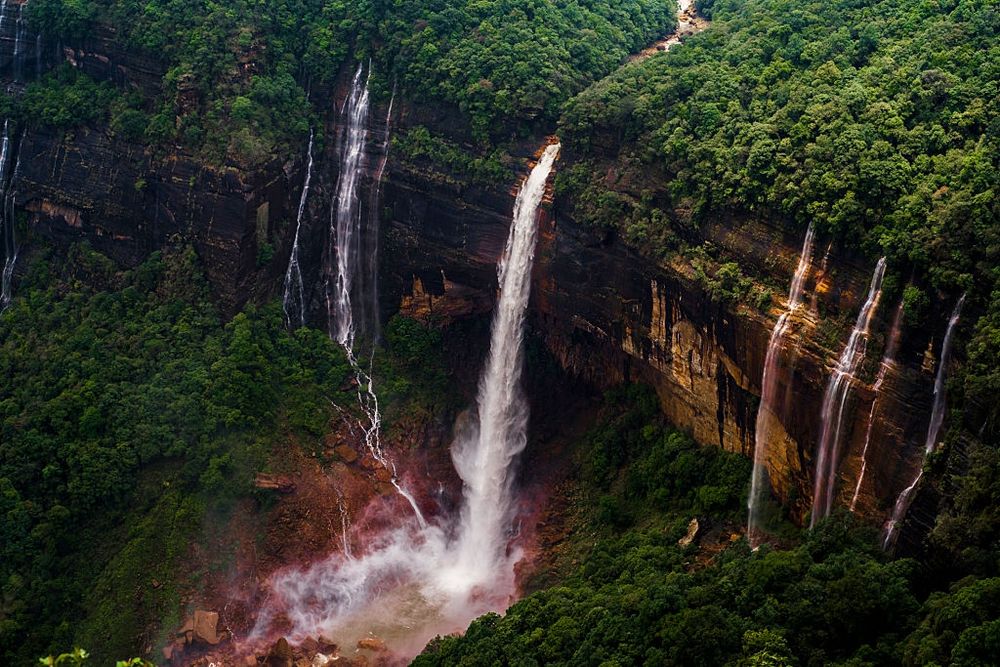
127, 403
237, 75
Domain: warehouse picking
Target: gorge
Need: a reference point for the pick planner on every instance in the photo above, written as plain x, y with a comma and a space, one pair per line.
263, 290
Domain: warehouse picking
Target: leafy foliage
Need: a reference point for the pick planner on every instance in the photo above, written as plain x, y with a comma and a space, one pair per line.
877, 122
236, 74
128, 410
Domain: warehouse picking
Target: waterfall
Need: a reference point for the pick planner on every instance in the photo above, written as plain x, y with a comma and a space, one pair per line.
345, 223
835, 400
416, 582
344, 527
19, 36
3, 14
769, 388
888, 363
933, 429
483, 460
293, 301
7, 218
352, 284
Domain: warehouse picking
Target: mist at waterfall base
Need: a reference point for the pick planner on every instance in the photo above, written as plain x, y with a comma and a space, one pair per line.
416, 581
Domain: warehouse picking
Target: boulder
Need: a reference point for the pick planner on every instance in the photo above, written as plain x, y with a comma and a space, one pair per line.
205, 624
279, 483
280, 655
372, 643
346, 453
692, 533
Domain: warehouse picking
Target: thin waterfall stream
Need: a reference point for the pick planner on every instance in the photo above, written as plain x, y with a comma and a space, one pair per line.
351, 273
902, 506
835, 400
293, 299
770, 384
888, 363
345, 274
8, 183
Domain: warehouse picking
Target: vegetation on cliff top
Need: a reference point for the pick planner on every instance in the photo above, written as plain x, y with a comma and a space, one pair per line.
237, 75
878, 122
875, 121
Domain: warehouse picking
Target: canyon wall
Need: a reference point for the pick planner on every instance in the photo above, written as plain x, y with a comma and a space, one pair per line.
610, 315
607, 313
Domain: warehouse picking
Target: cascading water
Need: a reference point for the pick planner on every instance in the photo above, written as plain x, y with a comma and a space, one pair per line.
888, 363
293, 300
769, 389
835, 400
345, 223
349, 276
420, 581
902, 505
3, 14
484, 461
7, 219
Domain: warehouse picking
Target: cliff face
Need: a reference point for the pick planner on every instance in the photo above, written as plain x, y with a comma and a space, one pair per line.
609, 315
606, 313
88, 185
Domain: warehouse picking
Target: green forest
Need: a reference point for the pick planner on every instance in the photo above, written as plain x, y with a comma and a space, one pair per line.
238, 76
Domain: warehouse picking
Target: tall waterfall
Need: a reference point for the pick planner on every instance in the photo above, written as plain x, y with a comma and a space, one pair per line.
770, 383
345, 276
483, 459
419, 581
888, 363
7, 218
293, 301
835, 400
933, 429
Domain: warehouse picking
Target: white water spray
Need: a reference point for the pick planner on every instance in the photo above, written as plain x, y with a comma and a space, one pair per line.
888, 363
902, 505
770, 383
484, 459
345, 223
293, 301
835, 400
416, 582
